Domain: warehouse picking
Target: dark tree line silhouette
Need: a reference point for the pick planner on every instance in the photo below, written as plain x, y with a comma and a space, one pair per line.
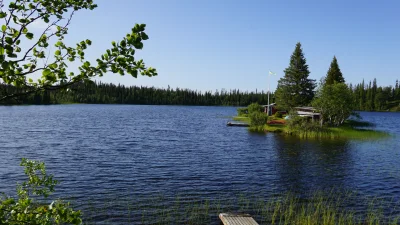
368, 96
102, 93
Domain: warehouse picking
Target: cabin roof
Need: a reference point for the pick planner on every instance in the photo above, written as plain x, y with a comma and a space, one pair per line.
272, 104
305, 113
305, 108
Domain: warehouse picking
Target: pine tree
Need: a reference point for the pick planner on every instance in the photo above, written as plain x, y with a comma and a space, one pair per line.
295, 88
334, 74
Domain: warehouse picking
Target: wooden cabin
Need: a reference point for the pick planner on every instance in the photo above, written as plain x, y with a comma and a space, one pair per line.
309, 112
272, 109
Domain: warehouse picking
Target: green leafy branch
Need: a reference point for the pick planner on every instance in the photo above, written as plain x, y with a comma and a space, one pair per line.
26, 209
16, 65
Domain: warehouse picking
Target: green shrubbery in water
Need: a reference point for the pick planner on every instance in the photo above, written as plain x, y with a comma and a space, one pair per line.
317, 207
328, 208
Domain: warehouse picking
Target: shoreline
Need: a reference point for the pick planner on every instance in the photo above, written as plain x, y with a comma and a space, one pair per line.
351, 129
86, 103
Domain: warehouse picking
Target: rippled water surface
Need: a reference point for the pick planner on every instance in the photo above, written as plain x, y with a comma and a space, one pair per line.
121, 150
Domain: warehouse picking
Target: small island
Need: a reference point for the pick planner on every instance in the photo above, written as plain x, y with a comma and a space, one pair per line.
299, 110
303, 126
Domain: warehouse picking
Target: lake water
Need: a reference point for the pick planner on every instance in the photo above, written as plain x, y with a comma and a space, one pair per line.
105, 151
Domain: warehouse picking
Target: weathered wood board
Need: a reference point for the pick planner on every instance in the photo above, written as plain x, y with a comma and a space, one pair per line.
237, 219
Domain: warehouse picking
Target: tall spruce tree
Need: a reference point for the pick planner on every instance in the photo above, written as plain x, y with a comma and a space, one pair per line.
295, 88
334, 74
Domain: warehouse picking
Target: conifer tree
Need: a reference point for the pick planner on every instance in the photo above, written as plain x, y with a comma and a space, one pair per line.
334, 74
295, 88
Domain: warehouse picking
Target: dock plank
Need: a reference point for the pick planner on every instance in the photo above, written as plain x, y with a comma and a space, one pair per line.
237, 219
235, 124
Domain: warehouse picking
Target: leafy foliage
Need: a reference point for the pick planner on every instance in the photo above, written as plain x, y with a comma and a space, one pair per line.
334, 74
335, 103
258, 118
18, 61
297, 123
28, 209
254, 107
278, 115
295, 88
242, 111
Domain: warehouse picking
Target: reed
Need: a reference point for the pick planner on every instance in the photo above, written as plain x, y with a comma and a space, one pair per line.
327, 208
346, 131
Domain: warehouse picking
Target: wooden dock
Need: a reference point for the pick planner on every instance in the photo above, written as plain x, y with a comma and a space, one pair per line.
233, 124
237, 219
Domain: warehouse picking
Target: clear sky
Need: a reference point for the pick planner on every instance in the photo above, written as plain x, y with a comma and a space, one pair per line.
215, 44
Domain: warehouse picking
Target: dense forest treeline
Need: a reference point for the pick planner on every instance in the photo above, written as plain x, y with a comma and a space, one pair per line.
368, 96
102, 93
371, 97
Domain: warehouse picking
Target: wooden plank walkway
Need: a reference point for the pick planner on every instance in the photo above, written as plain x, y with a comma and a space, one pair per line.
233, 124
237, 219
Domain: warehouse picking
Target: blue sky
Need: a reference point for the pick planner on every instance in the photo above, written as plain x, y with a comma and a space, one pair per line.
215, 44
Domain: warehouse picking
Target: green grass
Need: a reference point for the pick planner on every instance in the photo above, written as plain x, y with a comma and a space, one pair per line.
351, 129
395, 109
242, 119
327, 208
344, 131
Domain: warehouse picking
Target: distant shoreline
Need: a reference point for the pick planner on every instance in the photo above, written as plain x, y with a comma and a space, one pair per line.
77, 103
351, 129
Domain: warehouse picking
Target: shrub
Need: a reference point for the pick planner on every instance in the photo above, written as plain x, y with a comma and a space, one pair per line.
254, 107
258, 119
32, 205
297, 123
242, 111
278, 115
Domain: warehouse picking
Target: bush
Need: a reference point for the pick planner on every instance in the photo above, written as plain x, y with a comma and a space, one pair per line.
258, 119
242, 111
298, 123
278, 115
295, 122
32, 205
395, 109
254, 107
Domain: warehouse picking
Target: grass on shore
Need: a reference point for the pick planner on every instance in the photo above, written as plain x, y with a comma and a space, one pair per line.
242, 119
352, 129
320, 208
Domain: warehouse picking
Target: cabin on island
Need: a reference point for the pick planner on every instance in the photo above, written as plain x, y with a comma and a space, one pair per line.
309, 112
272, 109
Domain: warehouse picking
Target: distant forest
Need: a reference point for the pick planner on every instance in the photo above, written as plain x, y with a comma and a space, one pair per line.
368, 96
102, 93
371, 97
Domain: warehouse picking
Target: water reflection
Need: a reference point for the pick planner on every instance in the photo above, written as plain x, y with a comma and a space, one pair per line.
304, 165
137, 151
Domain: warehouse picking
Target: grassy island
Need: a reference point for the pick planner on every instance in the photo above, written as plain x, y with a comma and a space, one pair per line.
350, 129
347, 130
303, 127
306, 109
